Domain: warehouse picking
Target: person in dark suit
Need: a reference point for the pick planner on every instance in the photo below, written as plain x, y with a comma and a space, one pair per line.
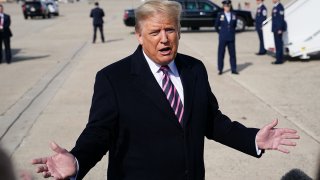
5, 35
97, 14
295, 174
278, 27
261, 15
152, 111
225, 25
6, 167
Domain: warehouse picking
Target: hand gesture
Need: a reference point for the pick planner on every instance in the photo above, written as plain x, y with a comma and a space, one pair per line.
60, 166
272, 138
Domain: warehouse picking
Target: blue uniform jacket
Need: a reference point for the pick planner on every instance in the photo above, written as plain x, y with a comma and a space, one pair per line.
278, 22
226, 30
261, 15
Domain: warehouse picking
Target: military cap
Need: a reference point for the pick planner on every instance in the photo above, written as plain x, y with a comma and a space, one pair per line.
226, 2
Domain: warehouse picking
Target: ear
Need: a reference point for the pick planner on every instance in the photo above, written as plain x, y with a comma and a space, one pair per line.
139, 37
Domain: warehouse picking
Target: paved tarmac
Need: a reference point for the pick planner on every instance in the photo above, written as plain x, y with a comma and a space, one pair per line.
46, 92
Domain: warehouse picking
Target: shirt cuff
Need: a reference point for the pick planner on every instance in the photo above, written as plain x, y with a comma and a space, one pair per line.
75, 177
257, 149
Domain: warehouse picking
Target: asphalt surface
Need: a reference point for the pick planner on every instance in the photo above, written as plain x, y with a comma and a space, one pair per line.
46, 91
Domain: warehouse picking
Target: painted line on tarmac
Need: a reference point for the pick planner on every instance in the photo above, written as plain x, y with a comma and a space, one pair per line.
21, 117
279, 112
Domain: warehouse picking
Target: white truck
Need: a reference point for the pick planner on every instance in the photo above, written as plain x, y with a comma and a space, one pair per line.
303, 29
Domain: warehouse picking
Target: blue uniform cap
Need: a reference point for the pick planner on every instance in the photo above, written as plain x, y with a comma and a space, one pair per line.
226, 2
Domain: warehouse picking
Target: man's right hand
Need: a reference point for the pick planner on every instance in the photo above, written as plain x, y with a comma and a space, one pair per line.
60, 166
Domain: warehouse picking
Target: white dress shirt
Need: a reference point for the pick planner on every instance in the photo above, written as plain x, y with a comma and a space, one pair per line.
228, 16
1, 20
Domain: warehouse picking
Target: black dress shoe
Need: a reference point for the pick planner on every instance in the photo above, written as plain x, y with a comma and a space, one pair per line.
260, 54
234, 72
220, 73
277, 62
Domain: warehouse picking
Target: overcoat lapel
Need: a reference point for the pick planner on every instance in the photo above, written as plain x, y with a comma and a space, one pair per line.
144, 81
188, 80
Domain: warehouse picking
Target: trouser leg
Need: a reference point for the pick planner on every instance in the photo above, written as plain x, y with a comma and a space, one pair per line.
94, 34
7, 49
221, 52
1, 40
101, 32
279, 47
232, 54
262, 49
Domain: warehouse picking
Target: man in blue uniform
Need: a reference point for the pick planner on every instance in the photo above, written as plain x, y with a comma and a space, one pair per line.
97, 14
278, 27
261, 15
225, 25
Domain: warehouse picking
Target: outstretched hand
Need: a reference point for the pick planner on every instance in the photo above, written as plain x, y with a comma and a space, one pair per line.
60, 166
271, 138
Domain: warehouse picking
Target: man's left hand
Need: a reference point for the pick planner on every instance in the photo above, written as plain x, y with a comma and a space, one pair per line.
271, 138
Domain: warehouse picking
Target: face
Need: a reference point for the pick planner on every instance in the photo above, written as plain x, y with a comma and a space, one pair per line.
275, 1
159, 37
1, 9
258, 1
226, 7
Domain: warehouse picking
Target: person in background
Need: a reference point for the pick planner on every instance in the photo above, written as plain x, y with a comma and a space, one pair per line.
225, 25
97, 14
6, 167
261, 15
296, 174
278, 27
5, 35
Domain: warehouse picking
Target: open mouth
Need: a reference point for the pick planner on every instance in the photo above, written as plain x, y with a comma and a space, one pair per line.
165, 51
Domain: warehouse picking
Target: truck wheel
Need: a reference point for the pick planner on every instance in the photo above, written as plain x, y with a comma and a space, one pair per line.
241, 24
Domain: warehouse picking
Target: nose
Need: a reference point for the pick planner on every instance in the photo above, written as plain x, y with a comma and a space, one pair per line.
164, 37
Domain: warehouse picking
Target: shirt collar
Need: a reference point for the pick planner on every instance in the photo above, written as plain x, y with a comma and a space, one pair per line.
276, 4
156, 67
260, 4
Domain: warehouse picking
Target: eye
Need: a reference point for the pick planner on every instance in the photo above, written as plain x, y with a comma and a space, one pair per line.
154, 33
170, 30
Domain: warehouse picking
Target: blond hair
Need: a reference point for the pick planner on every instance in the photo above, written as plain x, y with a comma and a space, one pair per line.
170, 9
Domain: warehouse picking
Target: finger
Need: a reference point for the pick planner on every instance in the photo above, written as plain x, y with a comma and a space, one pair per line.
286, 130
56, 148
284, 150
272, 124
46, 174
42, 169
288, 143
290, 136
39, 160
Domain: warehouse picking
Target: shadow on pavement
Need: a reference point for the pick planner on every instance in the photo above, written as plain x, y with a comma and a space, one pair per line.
114, 40
240, 67
17, 58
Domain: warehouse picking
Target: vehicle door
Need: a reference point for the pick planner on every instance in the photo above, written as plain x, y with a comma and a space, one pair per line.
190, 15
208, 13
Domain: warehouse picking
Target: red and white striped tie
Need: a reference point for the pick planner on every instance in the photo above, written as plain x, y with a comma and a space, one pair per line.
171, 93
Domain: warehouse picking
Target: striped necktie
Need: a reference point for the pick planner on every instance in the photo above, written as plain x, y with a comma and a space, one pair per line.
171, 93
